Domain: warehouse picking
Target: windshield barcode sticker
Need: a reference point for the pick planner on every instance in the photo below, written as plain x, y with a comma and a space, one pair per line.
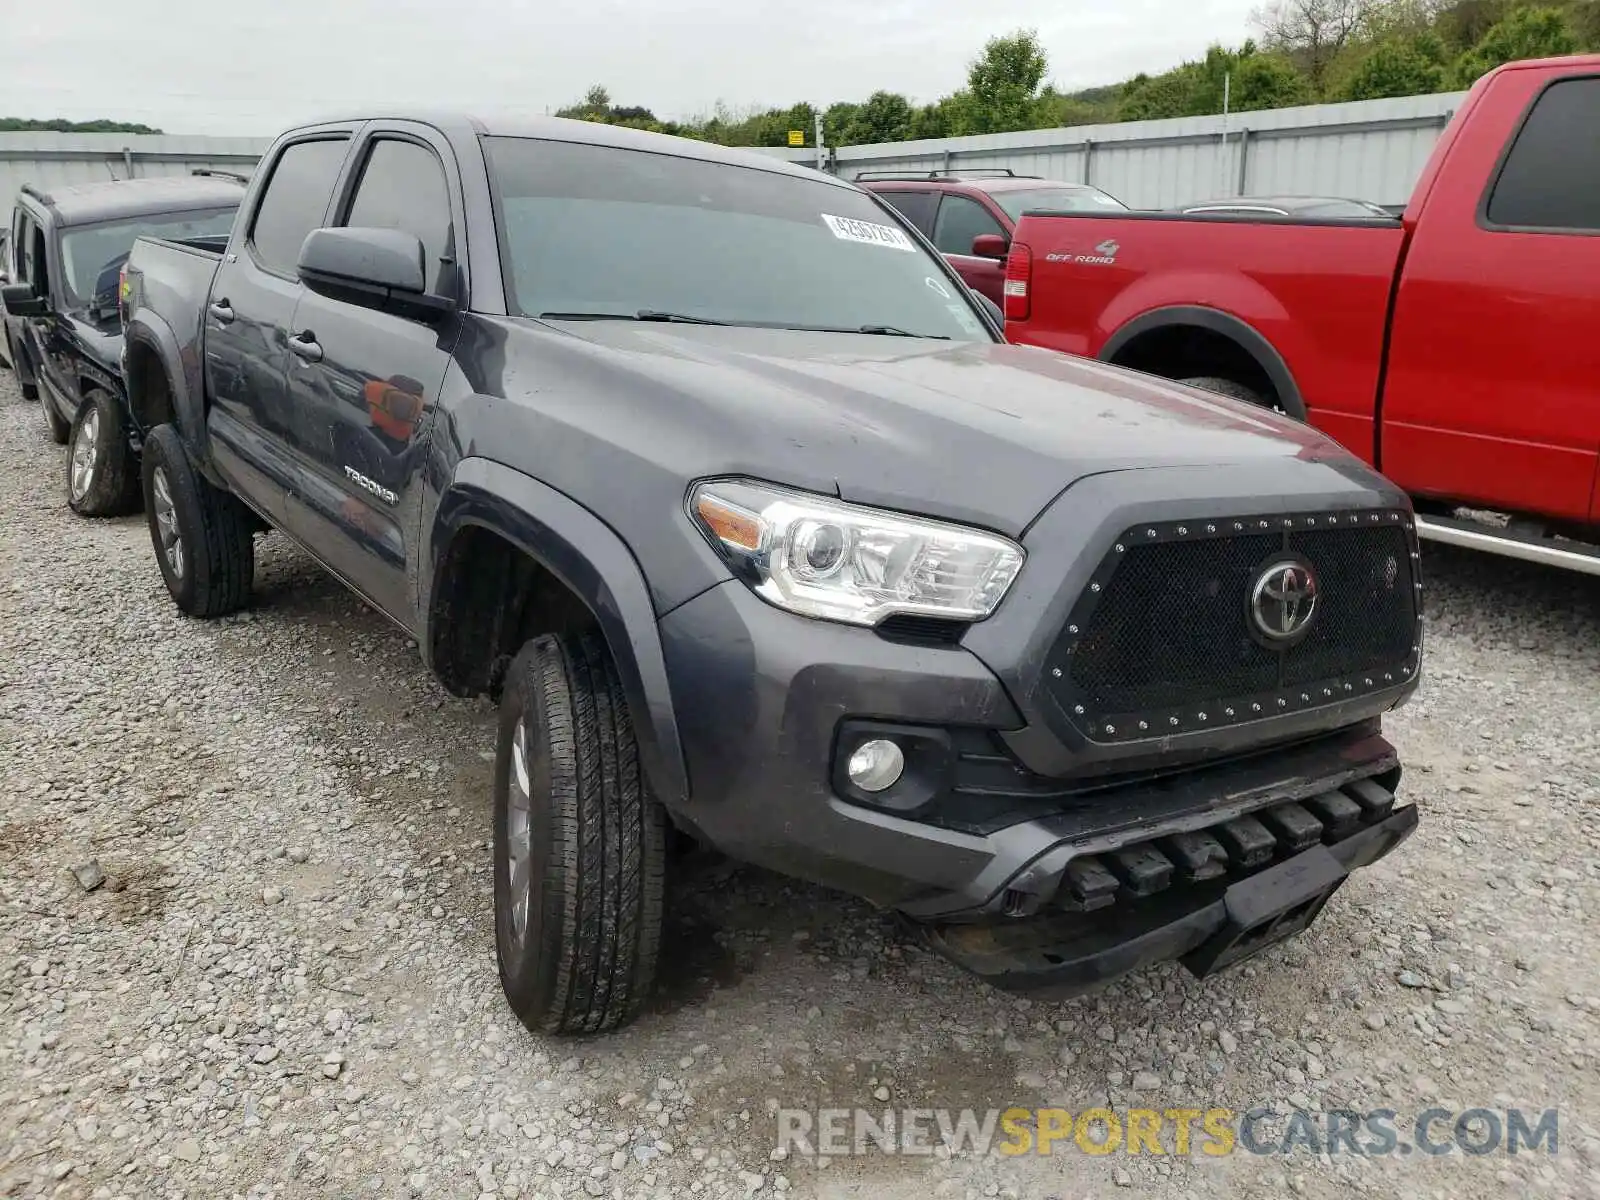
869, 232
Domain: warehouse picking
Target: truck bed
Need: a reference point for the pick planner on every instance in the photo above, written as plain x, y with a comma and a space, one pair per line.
1093, 274
172, 279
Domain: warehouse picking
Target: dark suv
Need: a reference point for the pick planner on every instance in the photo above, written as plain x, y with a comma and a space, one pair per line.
62, 328
969, 215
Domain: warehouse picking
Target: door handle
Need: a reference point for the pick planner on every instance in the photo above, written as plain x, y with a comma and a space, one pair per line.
306, 346
222, 311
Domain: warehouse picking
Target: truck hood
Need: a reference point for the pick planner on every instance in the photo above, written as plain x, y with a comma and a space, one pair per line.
976, 432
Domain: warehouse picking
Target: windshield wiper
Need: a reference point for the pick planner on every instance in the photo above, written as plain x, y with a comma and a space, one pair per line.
896, 331
644, 314
653, 314
886, 330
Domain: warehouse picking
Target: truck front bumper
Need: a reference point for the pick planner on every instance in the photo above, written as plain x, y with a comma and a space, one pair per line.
770, 705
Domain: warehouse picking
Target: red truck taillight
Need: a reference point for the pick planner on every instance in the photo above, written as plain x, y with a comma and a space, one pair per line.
1019, 273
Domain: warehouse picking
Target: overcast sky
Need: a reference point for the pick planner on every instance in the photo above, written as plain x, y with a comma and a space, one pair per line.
254, 66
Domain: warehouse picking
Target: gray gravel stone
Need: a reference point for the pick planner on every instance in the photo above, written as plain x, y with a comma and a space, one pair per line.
286, 752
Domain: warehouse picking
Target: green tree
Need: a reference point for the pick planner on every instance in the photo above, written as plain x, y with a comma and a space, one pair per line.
1525, 33
1268, 81
1174, 93
1004, 82
885, 117
1054, 109
1402, 67
58, 125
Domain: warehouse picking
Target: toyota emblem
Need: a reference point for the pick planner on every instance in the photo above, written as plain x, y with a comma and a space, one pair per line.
1283, 601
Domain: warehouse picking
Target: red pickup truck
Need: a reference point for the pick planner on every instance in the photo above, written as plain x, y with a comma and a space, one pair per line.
1456, 348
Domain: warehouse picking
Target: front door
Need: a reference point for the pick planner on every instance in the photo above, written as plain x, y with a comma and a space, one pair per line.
252, 305
365, 382
44, 339
961, 219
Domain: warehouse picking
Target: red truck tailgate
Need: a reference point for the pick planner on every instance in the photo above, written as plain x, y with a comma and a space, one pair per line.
1317, 291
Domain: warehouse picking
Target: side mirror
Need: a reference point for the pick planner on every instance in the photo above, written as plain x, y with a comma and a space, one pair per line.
378, 268
990, 245
21, 301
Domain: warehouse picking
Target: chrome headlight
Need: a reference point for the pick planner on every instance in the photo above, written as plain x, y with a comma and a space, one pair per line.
820, 557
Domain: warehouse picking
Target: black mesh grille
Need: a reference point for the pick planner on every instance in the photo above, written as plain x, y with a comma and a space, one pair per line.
1165, 633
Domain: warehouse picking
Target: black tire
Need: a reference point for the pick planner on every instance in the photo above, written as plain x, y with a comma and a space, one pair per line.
30, 391
211, 574
584, 960
1229, 387
102, 476
60, 431
1232, 388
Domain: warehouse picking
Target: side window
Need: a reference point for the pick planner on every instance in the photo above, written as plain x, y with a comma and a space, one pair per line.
403, 187
38, 260
295, 200
916, 207
1551, 178
961, 220
23, 250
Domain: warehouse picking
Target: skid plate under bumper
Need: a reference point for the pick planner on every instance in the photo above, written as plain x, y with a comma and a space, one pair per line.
1209, 925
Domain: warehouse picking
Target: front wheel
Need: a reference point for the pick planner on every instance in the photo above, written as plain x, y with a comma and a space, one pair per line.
202, 536
101, 477
579, 844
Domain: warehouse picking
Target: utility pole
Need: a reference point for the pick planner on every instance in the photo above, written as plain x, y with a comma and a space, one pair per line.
1227, 90
822, 155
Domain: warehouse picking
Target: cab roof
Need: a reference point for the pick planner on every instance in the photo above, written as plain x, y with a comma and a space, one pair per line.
87, 203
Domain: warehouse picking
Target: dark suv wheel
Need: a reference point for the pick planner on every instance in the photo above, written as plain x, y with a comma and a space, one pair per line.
102, 479
579, 844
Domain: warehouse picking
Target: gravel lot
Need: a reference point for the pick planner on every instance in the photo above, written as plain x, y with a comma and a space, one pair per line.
286, 985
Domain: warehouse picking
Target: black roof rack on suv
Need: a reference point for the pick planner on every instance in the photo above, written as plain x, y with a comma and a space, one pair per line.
212, 171
972, 173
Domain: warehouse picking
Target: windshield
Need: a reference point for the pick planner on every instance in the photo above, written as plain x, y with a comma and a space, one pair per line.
1056, 199
602, 231
92, 253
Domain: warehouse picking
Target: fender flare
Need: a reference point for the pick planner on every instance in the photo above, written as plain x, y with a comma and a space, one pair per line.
583, 552
1229, 326
148, 331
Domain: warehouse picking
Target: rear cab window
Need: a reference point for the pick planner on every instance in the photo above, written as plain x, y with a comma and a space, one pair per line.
295, 202
1550, 180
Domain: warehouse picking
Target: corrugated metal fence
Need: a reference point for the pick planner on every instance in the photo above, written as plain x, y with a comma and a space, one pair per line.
1370, 149
58, 159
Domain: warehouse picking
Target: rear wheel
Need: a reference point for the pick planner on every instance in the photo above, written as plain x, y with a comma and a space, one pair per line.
579, 844
202, 536
101, 477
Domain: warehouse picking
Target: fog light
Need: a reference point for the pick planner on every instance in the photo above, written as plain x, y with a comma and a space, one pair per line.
875, 765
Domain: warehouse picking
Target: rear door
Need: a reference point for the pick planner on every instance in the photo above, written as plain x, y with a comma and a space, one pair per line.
366, 391
1493, 389
959, 220
918, 207
254, 432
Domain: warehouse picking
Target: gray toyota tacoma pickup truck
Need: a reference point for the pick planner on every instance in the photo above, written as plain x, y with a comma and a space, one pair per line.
716, 474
